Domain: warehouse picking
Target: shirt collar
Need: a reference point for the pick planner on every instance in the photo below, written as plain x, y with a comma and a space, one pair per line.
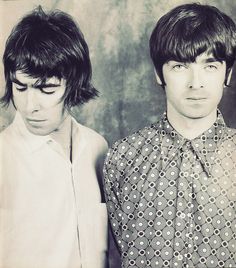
205, 145
31, 142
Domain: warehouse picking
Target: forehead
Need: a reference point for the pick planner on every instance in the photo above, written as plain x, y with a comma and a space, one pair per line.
206, 57
202, 58
25, 78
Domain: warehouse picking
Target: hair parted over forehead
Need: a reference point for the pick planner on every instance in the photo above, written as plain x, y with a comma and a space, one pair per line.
46, 45
189, 30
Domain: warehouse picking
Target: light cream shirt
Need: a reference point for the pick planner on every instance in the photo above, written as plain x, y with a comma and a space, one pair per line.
51, 212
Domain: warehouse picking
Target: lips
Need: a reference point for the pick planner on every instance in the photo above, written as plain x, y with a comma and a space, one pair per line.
35, 120
196, 98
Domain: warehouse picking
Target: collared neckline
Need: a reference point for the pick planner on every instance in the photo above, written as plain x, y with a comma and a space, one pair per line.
33, 142
204, 145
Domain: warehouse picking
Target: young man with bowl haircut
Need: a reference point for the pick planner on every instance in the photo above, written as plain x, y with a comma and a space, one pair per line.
171, 187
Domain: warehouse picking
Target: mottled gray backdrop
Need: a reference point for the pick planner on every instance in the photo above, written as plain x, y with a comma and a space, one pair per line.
117, 32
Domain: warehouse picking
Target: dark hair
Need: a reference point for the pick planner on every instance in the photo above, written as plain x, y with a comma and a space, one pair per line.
189, 30
46, 45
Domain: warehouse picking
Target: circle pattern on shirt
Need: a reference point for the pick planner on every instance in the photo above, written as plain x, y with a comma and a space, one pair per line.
174, 206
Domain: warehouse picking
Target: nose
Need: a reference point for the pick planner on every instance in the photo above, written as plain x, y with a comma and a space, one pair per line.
32, 101
195, 81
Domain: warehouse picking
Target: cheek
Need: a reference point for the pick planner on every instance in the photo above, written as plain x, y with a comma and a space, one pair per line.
19, 99
173, 96
174, 90
216, 79
50, 102
216, 85
176, 82
56, 111
54, 101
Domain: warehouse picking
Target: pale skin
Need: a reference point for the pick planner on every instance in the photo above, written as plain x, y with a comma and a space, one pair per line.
193, 92
42, 107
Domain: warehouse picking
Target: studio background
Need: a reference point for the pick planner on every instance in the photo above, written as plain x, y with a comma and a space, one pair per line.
117, 33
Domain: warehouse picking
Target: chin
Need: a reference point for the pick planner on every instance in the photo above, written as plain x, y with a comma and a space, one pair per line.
38, 131
197, 114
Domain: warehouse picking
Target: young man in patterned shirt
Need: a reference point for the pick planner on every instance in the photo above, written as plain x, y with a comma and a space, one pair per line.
171, 187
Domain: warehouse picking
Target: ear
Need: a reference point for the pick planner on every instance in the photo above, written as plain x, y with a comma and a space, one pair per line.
158, 77
229, 77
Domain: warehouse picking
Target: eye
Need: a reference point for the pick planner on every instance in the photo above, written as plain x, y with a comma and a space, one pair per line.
211, 67
179, 67
47, 90
20, 88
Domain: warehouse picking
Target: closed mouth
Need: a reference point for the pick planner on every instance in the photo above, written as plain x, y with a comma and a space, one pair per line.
196, 98
35, 120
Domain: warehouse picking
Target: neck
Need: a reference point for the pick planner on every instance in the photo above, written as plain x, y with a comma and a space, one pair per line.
63, 135
190, 128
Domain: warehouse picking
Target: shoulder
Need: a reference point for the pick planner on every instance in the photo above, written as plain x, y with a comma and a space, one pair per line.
137, 140
7, 133
231, 131
91, 137
230, 135
227, 143
132, 146
9, 141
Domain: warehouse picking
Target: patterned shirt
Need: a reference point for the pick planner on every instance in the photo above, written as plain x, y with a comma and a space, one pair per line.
171, 200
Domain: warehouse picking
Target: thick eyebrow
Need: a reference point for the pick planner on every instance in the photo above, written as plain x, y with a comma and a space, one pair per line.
36, 85
45, 85
209, 60
16, 81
